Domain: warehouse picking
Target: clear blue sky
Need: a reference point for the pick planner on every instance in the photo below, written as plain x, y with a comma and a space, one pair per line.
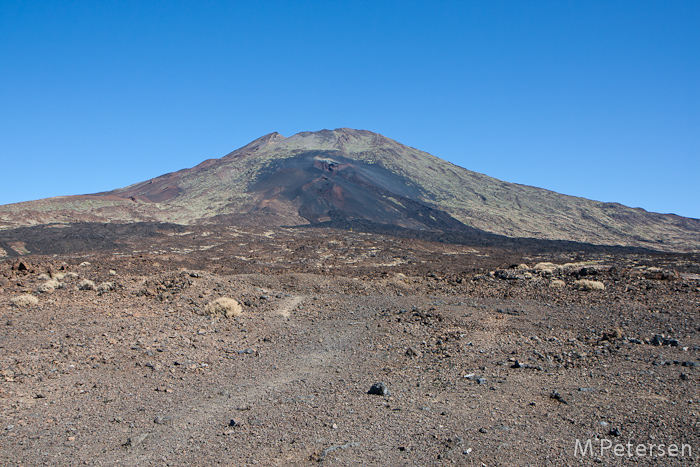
588, 98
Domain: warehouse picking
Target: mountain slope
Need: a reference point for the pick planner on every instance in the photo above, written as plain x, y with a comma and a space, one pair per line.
349, 174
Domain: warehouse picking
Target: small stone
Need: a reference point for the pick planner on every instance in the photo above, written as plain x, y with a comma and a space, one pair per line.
612, 335
453, 442
614, 432
378, 389
411, 352
236, 422
557, 397
482, 430
135, 441
481, 380
684, 377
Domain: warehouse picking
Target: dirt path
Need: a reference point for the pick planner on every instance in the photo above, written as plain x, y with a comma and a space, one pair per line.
281, 375
288, 305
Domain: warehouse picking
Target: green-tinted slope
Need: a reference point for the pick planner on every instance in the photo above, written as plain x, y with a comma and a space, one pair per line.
354, 174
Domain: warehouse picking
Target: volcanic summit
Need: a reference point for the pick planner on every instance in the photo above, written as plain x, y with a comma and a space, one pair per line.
346, 175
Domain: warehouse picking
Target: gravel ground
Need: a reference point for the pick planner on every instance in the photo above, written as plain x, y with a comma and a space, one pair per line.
486, 358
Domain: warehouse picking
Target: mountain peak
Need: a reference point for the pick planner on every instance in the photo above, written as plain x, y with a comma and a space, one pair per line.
256, 145
346, 175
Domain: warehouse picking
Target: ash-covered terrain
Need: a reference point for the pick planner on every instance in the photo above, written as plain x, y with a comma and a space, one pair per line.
489, 353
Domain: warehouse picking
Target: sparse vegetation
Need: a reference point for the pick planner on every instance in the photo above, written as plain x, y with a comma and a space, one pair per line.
224, 306
317, 309
105, 287
86, 284
588, 285
24, 301
49, 286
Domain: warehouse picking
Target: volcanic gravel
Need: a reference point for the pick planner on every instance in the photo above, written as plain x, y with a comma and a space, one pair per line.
486, 356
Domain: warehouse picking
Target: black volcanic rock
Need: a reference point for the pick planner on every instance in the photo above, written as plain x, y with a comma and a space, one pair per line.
327, 186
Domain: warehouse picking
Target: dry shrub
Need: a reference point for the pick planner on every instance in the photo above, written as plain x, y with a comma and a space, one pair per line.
223, 306
557, 283
43, 277
59, 276
86, 284
24, 301
546, 269
105, 287
69, 275
49, 286
587, 285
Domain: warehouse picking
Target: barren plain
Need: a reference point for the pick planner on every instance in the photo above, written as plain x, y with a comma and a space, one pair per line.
489, 354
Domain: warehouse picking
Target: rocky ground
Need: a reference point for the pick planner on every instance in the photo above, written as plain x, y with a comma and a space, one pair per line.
487, 356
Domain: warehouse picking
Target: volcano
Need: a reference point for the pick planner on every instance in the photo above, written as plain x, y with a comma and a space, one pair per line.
344, 175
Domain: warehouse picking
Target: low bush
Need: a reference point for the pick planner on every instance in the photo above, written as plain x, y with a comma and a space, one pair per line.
588, 285
105, 287
49, 286
86, 284
224, 306
24, 301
